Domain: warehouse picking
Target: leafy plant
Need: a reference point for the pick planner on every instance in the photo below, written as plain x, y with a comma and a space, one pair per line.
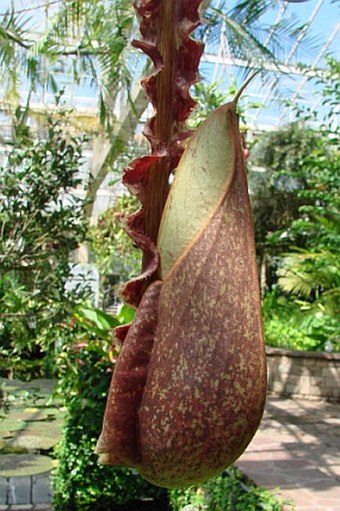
115, 255
276, 164
298, 234
231, 491
208, 98
41, 222
287, 324
311, 273
79, 482
313, 277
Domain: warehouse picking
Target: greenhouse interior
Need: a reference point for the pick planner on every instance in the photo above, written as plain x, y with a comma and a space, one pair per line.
169, 255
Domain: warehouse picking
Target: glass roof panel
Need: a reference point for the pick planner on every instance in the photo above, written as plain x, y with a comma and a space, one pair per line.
317, 37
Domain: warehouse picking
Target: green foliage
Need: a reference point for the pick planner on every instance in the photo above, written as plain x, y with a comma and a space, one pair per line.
297, 192
40, 218
308, 161
95, 320
282, 324
298, 234
287, 324
113, 249
246, 29
228, 492
41, 223
114, 253
15, 334
82, 39
315, 274
80, 483
280, 156
208, 98
311, 273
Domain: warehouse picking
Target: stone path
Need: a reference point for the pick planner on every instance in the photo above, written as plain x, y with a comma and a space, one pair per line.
297, 450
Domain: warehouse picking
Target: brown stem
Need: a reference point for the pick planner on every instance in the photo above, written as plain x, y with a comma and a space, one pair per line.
165, 26
158, 187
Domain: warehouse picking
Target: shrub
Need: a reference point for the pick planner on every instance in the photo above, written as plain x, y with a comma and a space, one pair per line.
229, 492
42, 222
287, 325
79, 482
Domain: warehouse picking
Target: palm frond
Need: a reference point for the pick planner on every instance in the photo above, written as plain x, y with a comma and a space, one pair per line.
248, 37
249, 11
14, 29
85, 40
306, 272
296, 283
14, 41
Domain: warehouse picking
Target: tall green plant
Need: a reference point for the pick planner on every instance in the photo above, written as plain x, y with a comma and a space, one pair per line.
41, 222
307, 248
88, 40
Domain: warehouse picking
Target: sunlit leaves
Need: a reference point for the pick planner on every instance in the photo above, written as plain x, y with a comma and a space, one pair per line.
13, 41
85, 41
308, 273
38, 215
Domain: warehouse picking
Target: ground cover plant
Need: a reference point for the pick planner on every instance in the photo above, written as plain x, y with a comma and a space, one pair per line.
231, 491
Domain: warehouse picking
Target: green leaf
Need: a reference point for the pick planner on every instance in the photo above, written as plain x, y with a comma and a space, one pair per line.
125, 315
101, 319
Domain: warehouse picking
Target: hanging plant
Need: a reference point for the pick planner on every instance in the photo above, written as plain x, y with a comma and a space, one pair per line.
188, 390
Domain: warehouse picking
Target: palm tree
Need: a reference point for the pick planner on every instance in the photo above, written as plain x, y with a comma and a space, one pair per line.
89, 41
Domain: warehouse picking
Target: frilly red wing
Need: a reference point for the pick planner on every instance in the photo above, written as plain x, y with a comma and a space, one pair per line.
166, 141
119, 442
